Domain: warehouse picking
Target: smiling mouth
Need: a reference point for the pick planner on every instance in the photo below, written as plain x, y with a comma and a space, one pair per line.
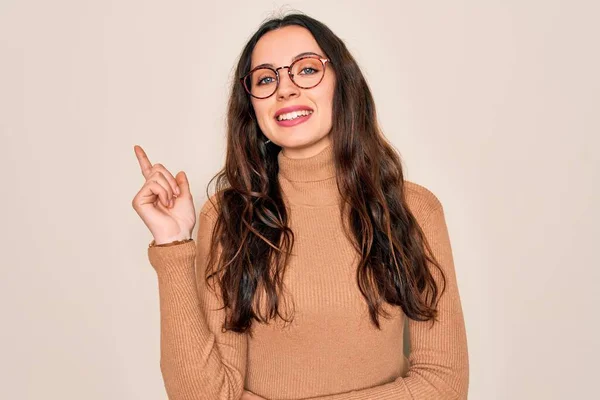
293, 115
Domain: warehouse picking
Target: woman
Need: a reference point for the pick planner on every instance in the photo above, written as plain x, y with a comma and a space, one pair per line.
313, 250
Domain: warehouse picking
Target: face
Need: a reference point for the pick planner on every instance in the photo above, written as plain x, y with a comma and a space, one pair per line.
306, 136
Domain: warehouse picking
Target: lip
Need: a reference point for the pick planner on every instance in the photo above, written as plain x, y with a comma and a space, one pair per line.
286, 110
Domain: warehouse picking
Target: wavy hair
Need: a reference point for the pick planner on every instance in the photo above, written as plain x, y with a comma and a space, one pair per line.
251, 240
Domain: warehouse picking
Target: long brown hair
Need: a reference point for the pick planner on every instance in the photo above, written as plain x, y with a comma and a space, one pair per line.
251, 239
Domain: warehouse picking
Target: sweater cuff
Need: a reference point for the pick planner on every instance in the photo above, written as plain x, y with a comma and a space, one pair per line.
173, 258
173, 243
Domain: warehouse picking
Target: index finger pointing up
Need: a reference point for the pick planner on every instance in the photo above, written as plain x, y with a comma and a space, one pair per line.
145, 164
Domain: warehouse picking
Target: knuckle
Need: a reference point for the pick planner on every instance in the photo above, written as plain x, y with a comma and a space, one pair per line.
156, 187
155, 174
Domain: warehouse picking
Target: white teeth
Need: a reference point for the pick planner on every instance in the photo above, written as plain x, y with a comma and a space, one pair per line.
293, 115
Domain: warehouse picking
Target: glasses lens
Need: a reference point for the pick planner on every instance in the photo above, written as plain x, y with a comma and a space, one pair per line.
262, 82
308, 72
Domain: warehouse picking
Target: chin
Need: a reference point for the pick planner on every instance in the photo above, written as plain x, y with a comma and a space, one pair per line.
298, 142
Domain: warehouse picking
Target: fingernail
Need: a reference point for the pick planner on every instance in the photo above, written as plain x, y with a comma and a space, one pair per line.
171, 203
177, 191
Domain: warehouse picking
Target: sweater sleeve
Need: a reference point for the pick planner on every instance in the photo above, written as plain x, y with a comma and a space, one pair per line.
198, 361
439, 366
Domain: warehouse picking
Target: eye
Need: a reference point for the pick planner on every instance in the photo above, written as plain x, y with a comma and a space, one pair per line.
310, 71
265, 81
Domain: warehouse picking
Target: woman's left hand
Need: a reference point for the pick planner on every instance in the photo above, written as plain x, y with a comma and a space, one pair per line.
251, 396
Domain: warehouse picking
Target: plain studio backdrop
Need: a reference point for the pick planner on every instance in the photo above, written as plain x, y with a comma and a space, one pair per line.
494, 106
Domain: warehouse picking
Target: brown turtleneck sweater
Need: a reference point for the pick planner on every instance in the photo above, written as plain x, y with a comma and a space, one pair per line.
331, 350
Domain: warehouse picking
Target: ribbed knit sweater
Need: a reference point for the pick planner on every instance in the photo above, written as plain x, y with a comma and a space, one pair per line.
330, 350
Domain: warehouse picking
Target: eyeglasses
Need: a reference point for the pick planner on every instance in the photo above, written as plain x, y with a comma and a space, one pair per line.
306, 73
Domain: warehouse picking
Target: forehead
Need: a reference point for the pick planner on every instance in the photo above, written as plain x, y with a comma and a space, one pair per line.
278, 47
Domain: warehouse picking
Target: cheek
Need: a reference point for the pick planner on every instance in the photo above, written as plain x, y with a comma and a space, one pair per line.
326, 96
260, 113
261, 110
326, 102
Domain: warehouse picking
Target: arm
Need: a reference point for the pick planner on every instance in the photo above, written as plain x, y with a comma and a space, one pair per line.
197, 361
439, 366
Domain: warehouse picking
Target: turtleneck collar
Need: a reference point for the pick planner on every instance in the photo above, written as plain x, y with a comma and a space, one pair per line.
316, 168
309, 182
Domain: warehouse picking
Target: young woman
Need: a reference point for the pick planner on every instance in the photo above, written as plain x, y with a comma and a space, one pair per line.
313, 249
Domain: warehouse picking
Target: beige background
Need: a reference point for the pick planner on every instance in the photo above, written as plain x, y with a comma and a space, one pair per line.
492, 104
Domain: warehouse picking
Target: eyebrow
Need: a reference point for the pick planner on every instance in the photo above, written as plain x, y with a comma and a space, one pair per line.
306, 53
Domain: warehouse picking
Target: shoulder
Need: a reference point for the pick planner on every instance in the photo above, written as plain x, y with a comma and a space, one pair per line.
421, 201
207, 219
210, 207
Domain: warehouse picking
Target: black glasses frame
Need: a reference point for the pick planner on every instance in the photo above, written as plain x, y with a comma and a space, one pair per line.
323, 60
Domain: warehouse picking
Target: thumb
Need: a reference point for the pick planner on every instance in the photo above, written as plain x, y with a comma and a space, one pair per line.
182, 182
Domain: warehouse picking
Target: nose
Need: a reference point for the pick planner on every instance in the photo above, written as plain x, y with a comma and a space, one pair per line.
286, 88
